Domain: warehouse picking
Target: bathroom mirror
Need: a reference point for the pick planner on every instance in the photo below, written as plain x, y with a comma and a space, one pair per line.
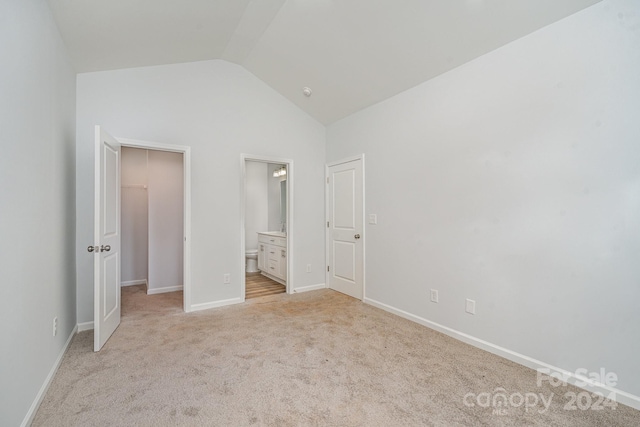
283, 203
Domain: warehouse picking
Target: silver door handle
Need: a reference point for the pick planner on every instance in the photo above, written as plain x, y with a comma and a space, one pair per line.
93, 248
357, 236
105, 248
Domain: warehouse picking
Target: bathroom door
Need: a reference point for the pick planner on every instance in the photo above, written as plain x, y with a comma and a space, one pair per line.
345, 264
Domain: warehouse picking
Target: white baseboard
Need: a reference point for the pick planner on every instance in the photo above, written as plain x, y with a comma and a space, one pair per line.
579, 381
310, 288
86, 326
133, 283
214, 304
164, 290
28, 419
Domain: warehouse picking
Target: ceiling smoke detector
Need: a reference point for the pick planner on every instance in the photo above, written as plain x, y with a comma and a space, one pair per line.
307, 91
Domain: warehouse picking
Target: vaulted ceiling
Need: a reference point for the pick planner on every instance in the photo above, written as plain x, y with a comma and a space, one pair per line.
351, 53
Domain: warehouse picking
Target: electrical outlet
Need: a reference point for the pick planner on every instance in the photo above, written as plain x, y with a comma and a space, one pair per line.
55, 326
226, 278
308, 268
471, 306
434, 295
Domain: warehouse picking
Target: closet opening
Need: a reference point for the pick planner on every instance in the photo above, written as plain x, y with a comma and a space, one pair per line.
153, 230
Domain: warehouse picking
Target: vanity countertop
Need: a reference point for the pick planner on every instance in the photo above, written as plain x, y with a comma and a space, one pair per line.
273, 233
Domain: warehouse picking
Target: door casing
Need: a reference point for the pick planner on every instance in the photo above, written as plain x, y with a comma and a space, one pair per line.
186, 159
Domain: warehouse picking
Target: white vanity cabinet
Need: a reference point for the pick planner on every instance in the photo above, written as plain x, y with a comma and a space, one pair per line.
283, 264
272, 256
262, 256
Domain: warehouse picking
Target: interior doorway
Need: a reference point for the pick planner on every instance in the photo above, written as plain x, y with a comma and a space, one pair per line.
266, 225
163, 210
152, 224
107, 229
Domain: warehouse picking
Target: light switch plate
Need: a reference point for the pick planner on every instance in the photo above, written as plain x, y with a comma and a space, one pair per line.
471, 306
373, 219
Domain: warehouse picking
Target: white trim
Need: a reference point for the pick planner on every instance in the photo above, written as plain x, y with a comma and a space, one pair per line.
364, 216
186, 159
310, 288
289, 284
163, 290
28, 419
215, 304
85, 326
150, 145
346, 160
364, 229
134, 283
591, 386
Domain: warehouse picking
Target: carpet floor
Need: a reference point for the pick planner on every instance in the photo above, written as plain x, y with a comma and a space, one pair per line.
314, 359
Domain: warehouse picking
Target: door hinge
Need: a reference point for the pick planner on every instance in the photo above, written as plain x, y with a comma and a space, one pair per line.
327, 224
327, 180
327, 268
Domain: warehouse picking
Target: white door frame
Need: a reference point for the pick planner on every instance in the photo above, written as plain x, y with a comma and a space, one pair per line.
290, 253
364, 223
186, 162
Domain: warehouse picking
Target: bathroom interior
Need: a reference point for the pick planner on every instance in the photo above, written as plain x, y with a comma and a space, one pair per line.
265, 227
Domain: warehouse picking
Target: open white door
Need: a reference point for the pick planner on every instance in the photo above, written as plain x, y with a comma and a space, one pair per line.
345, 248
106, 247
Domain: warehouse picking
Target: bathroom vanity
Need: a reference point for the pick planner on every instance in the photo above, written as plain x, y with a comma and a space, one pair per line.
272, 255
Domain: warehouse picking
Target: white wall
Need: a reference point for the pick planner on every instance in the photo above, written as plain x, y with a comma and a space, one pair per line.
37, 202
220, 110
255, 216
134, 213
514, 180
166, 219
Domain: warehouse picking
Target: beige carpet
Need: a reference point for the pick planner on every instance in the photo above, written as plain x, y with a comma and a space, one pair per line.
318, 358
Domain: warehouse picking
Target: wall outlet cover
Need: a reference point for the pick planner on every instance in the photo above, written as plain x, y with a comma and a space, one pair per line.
470, 306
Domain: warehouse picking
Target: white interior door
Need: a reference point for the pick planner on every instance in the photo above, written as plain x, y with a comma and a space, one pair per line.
106, 238
345, 245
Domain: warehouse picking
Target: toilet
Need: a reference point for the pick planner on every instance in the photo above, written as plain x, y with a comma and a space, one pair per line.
251, 266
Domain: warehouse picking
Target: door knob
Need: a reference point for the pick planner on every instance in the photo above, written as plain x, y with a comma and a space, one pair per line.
93, 248
105, 248
357, 236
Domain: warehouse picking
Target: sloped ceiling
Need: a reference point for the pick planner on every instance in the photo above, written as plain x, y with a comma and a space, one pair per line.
351, 53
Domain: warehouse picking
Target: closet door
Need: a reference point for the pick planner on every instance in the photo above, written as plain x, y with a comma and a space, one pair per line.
106, 247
